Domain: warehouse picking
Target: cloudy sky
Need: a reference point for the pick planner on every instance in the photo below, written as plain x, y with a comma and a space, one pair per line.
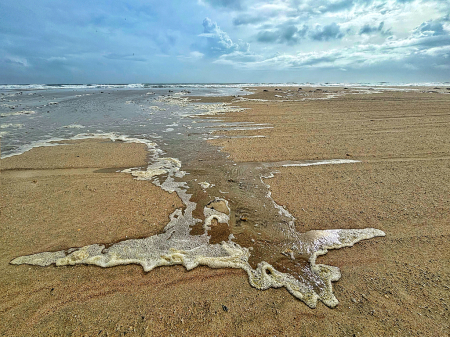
105, 41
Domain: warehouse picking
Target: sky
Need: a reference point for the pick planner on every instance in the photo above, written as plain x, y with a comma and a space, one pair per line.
219, 41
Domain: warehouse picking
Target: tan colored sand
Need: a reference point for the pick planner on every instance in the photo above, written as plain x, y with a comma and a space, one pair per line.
87, 153
363, 126
397, 285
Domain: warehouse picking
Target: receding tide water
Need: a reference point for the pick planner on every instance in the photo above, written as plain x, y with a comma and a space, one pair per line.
229, 219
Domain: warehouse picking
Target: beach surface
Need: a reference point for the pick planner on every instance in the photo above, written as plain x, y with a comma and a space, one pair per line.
71, 195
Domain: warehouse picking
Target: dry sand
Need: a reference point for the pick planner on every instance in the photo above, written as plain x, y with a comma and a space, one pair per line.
57, 197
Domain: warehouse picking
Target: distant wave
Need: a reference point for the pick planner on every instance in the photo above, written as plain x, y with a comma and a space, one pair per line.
205, 85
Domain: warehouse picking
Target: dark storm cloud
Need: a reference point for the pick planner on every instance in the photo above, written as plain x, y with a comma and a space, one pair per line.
368, 29
337, 6
227, 4
433, 27
325, 33
432, 41
267, 36
286, 33
247, 20
318, 60
431, 34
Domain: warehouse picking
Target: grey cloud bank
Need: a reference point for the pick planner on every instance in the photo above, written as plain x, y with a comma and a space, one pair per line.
224, 41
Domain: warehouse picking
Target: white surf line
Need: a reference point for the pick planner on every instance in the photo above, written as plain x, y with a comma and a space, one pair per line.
250, 128
11, 125
235, 124
233, 137
323, 162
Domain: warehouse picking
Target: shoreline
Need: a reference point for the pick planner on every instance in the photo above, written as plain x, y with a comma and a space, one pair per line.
373, 279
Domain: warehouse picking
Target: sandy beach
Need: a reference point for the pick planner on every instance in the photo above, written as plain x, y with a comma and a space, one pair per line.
73, 194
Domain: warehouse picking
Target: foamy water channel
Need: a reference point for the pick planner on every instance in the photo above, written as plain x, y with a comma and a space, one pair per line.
229, 219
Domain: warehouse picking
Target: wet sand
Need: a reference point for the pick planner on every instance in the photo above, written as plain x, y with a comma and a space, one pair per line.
69, 196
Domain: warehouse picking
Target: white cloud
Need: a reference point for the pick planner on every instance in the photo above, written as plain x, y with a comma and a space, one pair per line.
196, 54
191, 56
415, 48
343, 34
439, 51
17, 61
218, 41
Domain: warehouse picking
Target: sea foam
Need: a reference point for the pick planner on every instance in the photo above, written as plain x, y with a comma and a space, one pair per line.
175, 245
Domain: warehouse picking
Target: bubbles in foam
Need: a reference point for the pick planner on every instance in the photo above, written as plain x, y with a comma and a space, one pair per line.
18, 113
175, 245
11, 125
205, 184
161, 166
74, 126
177, 99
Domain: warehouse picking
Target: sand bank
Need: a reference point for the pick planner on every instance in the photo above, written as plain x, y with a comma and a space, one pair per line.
397, 285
